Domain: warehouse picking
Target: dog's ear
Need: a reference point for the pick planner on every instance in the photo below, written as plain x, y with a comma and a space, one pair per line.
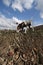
18, 27
16, 22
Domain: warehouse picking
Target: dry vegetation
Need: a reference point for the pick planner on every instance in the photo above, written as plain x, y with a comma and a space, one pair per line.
26, 42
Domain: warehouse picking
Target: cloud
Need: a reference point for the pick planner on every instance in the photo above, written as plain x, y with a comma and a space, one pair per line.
17, 5
41, 15
27, 3
20, 5
6, 23
7, 2
39, 7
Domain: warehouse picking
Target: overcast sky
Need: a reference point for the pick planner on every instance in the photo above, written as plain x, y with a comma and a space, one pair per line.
12, 11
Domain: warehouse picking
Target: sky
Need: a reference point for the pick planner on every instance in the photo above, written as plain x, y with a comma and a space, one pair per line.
12, 11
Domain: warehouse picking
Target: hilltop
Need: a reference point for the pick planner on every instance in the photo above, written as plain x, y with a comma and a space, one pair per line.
25, 41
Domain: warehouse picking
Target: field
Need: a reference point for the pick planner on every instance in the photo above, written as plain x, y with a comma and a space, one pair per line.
26, 42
